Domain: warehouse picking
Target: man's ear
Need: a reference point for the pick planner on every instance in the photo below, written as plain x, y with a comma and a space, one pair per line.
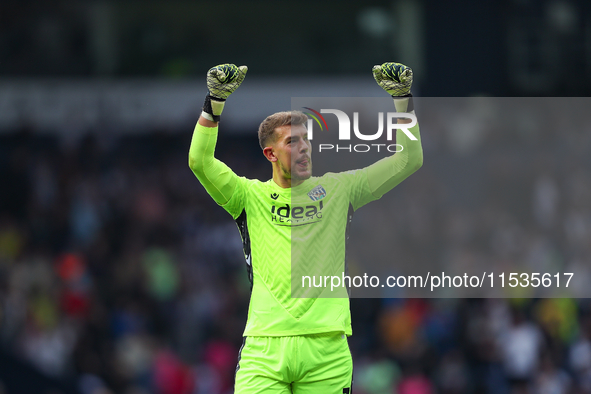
269, 154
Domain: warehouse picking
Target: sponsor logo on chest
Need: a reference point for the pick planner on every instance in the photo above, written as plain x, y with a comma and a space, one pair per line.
297, 214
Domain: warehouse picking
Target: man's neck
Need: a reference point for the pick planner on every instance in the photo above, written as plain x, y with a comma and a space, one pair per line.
286, 183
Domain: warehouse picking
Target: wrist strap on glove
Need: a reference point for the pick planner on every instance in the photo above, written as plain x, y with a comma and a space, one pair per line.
403, 103
213, 107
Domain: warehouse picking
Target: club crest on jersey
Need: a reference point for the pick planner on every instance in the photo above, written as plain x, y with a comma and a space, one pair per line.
318, 193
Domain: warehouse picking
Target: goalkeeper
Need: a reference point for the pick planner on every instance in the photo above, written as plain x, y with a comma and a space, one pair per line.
295, 345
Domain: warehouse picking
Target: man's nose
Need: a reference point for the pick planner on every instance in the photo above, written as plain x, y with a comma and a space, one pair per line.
303, 146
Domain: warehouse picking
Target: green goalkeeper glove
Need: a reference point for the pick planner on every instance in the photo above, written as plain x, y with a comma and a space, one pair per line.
222, 81
396, 79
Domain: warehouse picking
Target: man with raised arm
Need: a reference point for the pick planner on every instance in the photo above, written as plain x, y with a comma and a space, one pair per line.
296, 343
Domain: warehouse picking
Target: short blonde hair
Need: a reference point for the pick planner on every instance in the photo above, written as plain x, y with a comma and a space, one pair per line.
278, 119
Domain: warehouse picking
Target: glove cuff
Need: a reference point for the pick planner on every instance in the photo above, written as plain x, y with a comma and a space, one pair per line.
403, 103
213, 107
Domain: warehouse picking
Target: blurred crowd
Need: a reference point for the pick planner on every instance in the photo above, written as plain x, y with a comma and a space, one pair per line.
120, 274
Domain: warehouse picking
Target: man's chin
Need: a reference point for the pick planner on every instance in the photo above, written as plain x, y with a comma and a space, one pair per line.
301, 176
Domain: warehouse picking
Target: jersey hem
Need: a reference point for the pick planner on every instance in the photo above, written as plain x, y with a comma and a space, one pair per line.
289, 333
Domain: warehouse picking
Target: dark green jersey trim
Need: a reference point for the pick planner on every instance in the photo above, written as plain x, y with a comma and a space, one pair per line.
243, 228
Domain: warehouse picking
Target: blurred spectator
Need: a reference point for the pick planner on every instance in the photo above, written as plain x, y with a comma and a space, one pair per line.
376, 376
415, 382
520, 345
550, 379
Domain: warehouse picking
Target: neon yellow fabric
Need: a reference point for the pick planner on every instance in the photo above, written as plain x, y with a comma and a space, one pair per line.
307, 364
217, 178
297, 232
384, 174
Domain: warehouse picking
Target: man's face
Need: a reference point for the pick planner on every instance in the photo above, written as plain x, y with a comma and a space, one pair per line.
293, 151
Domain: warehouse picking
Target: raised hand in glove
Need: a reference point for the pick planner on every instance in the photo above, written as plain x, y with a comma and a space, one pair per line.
222, 81
396, 79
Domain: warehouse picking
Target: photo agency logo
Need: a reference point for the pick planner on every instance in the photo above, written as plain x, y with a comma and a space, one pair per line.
344, 130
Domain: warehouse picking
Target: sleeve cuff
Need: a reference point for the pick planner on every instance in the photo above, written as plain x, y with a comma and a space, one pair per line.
206, 130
